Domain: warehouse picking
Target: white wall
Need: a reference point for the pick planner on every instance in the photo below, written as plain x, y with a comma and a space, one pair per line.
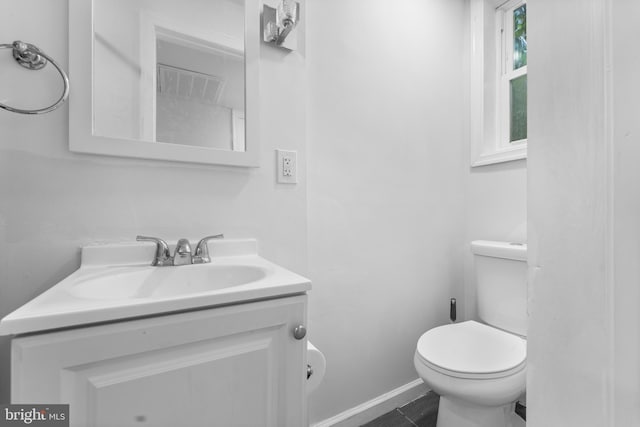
583, 214
388, 156
53, 201
569, 365
626, 217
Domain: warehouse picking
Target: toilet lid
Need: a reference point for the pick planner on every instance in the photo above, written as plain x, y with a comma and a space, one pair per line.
471, 349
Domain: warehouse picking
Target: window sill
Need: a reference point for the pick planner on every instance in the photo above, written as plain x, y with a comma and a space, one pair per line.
505, 155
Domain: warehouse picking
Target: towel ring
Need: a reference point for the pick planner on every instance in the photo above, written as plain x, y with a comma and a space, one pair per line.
32, 58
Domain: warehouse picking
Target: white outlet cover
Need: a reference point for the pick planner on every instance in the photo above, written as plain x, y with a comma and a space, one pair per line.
286, 167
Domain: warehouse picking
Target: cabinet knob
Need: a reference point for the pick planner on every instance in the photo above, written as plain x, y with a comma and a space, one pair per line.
299, 332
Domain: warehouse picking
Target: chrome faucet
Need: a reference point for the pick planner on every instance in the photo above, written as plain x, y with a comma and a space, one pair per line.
182, 254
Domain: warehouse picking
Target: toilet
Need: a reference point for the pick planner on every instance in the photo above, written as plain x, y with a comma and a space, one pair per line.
479, 368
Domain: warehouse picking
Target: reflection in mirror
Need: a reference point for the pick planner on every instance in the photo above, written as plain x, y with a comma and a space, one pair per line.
170, 71
203, 104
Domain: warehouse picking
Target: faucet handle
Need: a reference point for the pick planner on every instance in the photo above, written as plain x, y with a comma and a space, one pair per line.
202, 250
162, 256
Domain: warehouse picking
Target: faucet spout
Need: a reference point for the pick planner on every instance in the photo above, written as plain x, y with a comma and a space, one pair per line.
182, 255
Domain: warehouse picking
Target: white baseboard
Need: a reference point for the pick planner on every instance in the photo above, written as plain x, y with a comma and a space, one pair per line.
377, 406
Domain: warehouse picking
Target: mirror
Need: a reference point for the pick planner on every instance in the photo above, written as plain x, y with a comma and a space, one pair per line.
165, 79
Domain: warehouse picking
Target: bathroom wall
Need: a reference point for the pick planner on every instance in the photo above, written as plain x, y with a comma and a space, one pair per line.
52, 201
626, 207
387, 170
583, 214
569, 363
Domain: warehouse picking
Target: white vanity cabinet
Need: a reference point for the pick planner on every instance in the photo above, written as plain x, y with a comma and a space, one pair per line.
236, 365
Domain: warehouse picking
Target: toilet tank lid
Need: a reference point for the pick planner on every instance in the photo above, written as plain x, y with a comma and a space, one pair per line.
507, 250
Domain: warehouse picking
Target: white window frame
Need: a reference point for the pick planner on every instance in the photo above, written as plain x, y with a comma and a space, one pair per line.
491, 73
507, 74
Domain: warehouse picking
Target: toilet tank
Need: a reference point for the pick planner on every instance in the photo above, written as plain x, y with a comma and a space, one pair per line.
501, 284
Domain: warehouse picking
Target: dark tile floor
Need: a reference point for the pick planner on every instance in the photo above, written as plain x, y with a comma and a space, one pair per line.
422, 412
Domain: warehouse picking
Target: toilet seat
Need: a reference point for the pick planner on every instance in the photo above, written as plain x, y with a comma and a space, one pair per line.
472, 350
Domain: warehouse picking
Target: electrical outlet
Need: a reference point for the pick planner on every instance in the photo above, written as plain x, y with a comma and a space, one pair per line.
287, 165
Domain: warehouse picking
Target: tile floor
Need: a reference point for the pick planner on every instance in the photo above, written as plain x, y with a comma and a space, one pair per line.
422, 412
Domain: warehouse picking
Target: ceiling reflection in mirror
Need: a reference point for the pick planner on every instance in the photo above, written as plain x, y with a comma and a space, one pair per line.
170, 71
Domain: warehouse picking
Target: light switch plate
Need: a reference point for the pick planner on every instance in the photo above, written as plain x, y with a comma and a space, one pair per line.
287, 167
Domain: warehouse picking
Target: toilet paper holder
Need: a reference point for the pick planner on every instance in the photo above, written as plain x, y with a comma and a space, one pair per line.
316, 367
309, 371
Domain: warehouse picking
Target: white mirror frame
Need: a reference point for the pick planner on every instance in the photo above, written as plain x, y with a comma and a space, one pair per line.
81, 135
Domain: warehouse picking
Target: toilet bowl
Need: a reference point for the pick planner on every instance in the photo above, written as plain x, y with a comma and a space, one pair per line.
479, 369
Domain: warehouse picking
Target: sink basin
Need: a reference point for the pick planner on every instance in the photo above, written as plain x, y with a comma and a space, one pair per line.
116, 282
137, 282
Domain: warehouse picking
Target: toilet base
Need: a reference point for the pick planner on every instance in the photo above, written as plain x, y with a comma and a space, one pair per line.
456, 413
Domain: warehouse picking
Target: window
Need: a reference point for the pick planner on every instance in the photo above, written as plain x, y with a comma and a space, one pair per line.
513, 73
498, 81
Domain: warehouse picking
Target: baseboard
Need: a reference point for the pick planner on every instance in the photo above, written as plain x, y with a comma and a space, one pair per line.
377, 406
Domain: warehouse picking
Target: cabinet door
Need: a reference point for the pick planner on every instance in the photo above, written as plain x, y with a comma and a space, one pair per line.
229, 367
